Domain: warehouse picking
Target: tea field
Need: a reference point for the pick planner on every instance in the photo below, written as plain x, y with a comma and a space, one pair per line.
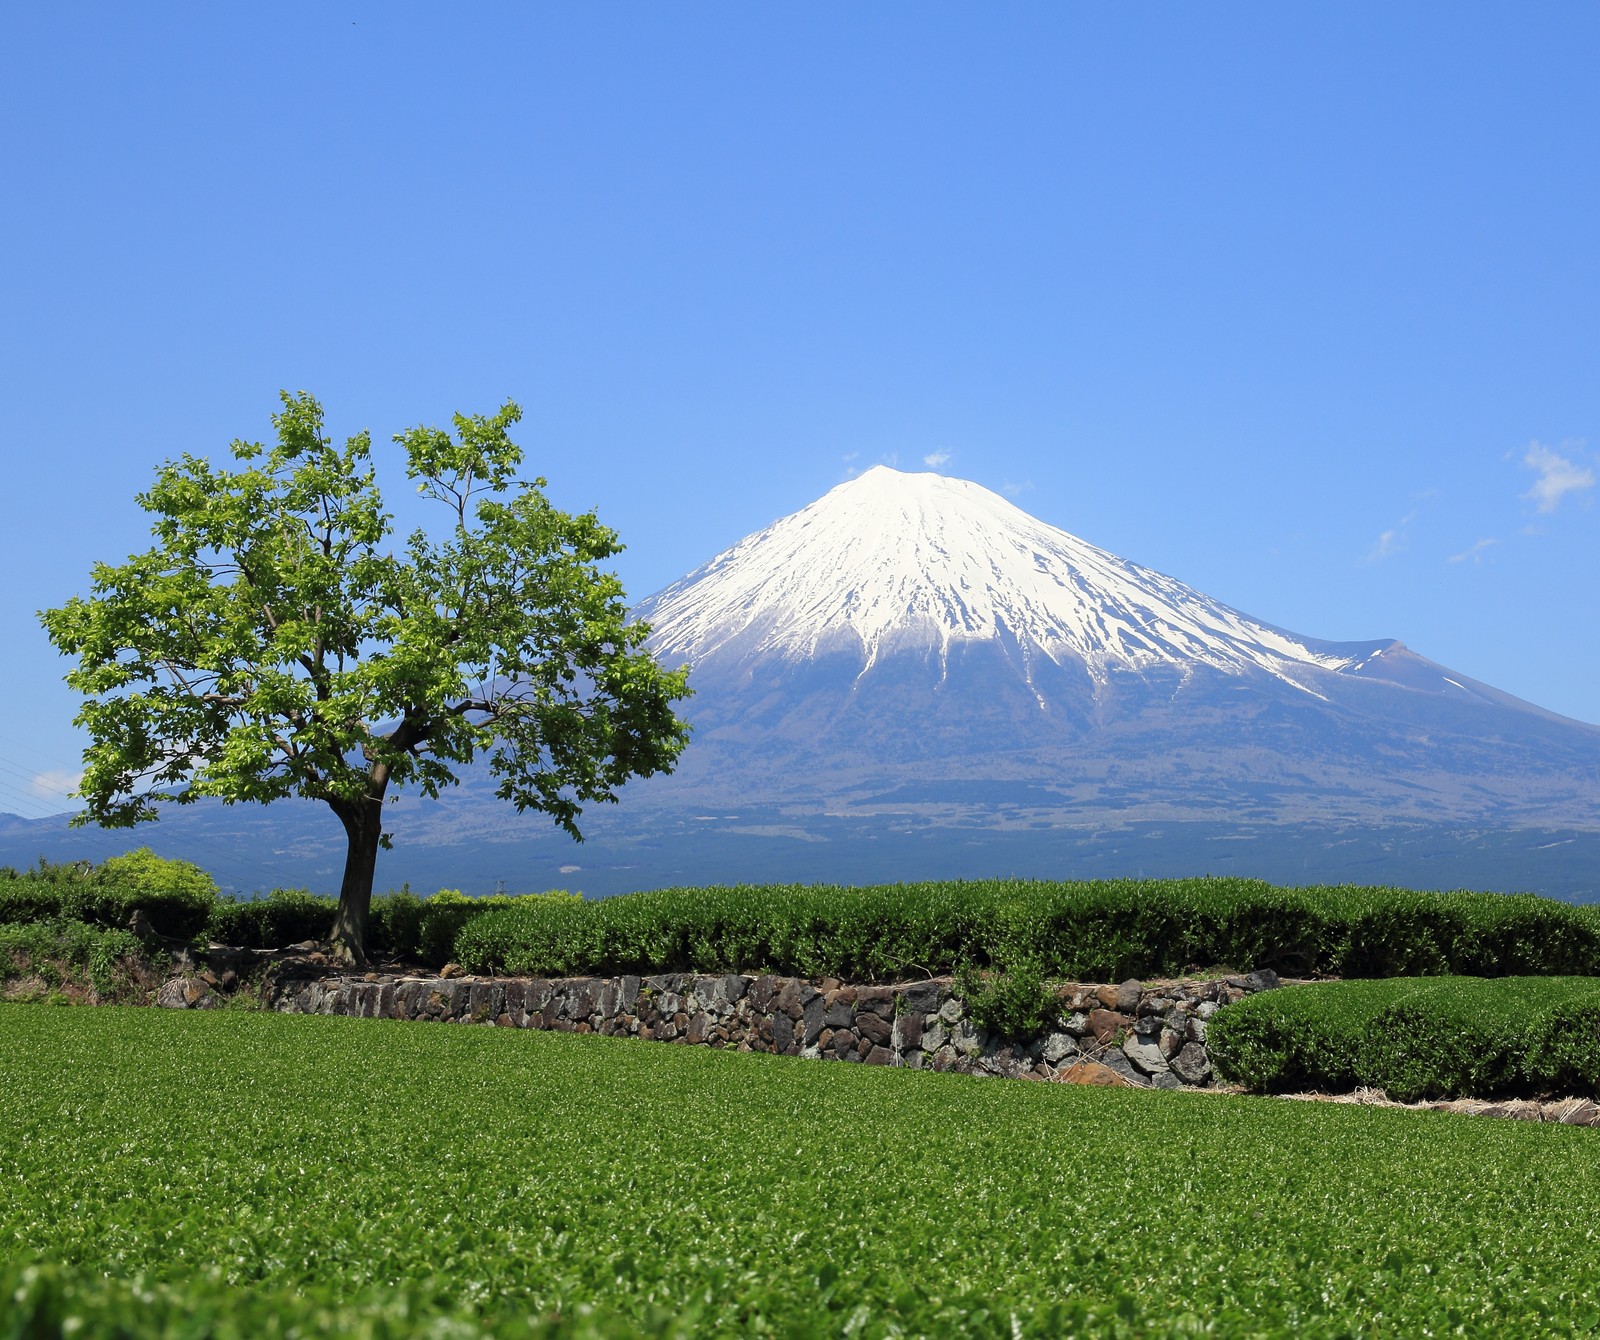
236, 1173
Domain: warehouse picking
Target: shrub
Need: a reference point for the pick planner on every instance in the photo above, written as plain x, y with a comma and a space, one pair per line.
1093, 931
57, 951
1299, 1037
1102, 931
1438, 1037
536, 936
1565, 1047
395, 927
1455, 1037
177, 896
31, 898
441, 918
1012, 1003
403, 925
283, 917
143, 870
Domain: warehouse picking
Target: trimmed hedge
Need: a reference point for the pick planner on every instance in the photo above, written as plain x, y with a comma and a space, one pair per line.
177, 897
402, 925
1415, 1038
282, 917
1103, 931
1100, 931
182, 902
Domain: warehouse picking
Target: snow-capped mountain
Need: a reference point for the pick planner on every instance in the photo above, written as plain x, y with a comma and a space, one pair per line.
914, 635
892, 562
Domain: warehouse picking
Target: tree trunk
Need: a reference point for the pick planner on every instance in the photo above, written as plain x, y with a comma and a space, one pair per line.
363, 826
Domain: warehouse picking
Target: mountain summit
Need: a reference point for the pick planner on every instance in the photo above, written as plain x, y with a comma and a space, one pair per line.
913, 637
891, 561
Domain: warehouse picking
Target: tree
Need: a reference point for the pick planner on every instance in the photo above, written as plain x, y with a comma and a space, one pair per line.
270, 644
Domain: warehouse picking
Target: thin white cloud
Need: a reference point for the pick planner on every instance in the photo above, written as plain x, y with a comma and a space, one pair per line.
1558, 476
56, 783
1392, 541
935, 459
1016, 490
1474, 554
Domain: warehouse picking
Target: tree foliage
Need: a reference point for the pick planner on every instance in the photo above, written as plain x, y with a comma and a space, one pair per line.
275, 642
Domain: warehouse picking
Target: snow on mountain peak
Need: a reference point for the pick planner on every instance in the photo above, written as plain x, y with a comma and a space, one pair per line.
893, 561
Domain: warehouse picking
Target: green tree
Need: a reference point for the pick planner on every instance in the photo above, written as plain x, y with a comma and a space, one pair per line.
275, 643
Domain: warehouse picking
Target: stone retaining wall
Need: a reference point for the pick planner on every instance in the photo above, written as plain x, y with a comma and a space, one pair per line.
1147, 1034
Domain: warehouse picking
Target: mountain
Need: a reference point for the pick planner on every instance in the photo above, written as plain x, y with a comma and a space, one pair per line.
910, 640
912, 678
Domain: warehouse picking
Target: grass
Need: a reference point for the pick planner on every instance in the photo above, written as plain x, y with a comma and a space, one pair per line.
73, 959
350, 1176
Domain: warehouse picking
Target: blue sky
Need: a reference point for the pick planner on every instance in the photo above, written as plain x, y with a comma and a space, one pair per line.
1301, 306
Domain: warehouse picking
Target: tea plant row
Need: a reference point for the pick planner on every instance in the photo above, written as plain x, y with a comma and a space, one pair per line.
1094, 931
1097, 931
359, 1177
1441, 1037
181, 901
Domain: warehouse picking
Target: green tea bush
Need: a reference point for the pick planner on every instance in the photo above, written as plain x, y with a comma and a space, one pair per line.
44, 1300
1415, 1038
31, 897
1457, 1038
1104, 930
1566, 1048
544, 933
1297, 1038
441, 919
142, 869
402, 925
347, 1178
395, 928
283, 917
176, 896
1097, 931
